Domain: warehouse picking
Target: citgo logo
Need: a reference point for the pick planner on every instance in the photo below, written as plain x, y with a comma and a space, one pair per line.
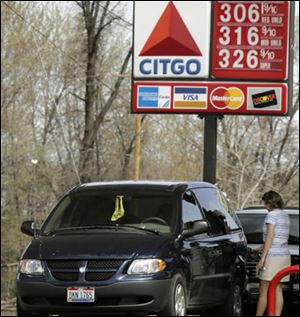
170, 37
227, 98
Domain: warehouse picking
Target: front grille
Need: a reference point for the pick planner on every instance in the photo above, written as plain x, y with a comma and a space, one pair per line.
251, 269
102, 270
64, 265
99, 276
64, 276
104, 264
96, 270
64, 270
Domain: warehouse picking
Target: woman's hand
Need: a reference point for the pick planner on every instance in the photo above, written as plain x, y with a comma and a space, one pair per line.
261, 262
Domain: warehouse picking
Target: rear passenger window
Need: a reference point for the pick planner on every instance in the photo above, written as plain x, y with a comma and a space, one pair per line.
190, 209
216, 210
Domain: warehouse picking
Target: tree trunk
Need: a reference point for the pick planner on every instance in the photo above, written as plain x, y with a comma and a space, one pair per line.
95, 24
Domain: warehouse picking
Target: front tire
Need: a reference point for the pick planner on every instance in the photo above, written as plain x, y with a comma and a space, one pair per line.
233, 306
177, 303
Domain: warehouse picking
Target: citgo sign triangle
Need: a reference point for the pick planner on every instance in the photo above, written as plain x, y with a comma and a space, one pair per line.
170, 37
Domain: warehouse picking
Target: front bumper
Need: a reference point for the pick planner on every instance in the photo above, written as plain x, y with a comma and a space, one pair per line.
141, 296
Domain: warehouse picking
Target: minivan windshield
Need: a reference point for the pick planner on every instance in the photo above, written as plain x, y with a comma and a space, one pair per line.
126, 211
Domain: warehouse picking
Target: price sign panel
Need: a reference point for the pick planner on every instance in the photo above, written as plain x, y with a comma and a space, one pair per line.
251, 40
213, 57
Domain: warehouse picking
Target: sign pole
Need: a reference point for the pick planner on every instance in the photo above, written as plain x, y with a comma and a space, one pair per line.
137, 151
210, 149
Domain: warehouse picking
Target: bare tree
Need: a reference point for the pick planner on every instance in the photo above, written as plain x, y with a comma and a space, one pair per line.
96, 22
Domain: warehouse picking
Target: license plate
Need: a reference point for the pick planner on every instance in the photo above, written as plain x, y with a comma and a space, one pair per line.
81, 295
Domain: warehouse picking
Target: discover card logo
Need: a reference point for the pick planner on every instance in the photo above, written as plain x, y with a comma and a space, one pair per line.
265, 99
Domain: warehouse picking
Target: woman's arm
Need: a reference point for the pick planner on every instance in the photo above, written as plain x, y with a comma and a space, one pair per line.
267, 244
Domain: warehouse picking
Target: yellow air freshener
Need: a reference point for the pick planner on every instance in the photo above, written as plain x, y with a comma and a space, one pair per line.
119, 209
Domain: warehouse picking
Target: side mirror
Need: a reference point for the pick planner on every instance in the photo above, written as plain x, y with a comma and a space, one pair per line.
197, 227
28, 228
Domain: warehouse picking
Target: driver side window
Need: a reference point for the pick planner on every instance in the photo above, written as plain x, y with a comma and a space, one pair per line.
190, 209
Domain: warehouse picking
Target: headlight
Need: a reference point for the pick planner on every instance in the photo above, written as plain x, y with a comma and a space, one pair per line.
31, 267
150, 266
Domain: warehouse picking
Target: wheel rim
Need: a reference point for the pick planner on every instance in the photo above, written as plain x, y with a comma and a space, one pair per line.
237, 301
179, 301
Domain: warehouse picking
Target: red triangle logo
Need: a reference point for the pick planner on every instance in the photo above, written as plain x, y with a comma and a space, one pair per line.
170, 37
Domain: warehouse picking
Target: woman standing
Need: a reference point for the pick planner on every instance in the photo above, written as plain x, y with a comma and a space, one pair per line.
275, 253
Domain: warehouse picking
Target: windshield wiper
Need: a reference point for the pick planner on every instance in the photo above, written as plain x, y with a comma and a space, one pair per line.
139, 228
115, 227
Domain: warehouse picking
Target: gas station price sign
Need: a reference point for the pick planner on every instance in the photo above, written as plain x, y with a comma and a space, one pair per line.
213, 57
250, 40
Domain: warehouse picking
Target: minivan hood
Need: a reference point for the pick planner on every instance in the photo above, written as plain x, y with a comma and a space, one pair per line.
115, 245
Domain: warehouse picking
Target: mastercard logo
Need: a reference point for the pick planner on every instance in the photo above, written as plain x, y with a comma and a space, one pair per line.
227, 98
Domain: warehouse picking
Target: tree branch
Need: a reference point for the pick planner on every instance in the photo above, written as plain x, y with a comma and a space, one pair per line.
76, 96
111, 99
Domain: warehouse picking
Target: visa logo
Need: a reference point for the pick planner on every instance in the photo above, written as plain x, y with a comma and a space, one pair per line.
190, 97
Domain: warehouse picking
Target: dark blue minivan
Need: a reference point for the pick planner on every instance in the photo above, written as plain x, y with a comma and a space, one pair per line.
160, 248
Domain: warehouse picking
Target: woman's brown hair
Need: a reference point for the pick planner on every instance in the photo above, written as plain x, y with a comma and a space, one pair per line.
273, 200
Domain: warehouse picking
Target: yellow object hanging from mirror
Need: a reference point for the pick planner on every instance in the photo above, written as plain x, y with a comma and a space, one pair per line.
119, 209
